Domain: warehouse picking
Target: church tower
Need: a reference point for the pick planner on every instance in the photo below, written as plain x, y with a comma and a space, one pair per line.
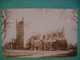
20, 34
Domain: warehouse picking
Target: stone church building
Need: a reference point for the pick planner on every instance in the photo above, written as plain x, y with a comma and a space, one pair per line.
49, 41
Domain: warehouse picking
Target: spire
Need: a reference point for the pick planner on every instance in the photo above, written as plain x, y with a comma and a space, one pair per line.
57, 33
63, 31
22, 18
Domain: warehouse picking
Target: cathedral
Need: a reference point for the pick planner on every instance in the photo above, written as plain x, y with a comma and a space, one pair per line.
45, 42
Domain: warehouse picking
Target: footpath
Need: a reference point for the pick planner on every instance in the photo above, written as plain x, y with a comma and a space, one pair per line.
31, 54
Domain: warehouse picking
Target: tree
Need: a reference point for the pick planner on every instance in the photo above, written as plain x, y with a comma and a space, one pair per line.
74, 16
5, 22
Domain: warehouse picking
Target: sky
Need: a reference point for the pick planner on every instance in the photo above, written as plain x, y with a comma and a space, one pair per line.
39, 21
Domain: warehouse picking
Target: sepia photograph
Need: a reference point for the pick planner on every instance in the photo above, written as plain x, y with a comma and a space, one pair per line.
39, 32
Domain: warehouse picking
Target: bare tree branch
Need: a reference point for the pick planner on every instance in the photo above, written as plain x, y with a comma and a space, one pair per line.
62, 12
75, 16
5, 22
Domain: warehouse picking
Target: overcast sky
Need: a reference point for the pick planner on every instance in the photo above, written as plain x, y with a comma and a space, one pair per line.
42, 21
